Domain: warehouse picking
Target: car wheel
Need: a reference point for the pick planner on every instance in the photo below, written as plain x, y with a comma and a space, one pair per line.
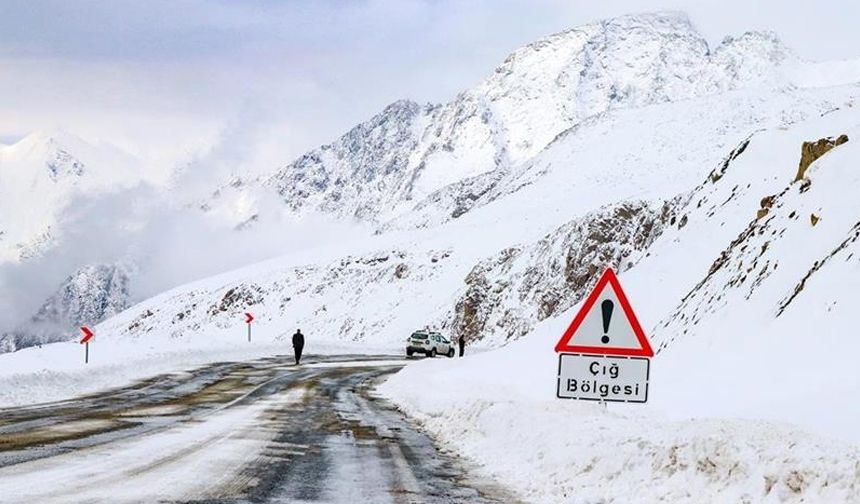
450, 353
432, 353
409, 353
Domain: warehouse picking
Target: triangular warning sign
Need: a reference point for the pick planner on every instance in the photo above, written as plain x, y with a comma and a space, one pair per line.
606, 324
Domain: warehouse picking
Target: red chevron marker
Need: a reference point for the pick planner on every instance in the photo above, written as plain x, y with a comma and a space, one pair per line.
88, 334
248, 319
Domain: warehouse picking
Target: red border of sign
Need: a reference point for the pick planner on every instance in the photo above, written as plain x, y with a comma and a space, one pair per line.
609, 277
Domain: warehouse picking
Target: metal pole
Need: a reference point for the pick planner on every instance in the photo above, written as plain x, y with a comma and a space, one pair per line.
87, 352
249, 332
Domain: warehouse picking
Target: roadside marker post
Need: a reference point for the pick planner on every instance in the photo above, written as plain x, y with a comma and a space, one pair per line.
248, 319
88, 335
604, 354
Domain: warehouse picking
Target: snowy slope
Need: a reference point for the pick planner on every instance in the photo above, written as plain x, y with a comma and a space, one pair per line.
369, 298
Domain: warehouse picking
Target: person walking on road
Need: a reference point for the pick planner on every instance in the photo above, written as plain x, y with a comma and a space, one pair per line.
298, 344
462, 342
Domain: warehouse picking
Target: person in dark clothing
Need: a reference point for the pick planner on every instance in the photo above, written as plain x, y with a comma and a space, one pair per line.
462, 342
298, 344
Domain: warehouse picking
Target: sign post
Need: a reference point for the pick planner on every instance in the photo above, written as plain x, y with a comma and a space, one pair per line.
604, 354
248, 319
88, 335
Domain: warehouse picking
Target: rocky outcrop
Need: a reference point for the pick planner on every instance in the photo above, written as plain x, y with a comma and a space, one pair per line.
765, 206
810, 151
507, 294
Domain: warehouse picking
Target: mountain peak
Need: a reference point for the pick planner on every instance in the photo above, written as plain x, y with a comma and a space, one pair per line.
665, 19
764, 44
658, 21
49, 138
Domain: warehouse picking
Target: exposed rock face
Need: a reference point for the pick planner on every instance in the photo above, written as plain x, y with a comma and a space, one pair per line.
718, 173
352, 175
90, 295
236, 298
63, 164
766, 205
507, 294
810, 151
401, 270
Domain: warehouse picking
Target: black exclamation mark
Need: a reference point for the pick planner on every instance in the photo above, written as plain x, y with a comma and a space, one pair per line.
606, 307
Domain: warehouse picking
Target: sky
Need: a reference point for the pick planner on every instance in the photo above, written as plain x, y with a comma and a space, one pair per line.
168, 79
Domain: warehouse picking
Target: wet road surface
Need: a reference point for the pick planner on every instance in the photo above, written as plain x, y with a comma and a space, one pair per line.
260, 431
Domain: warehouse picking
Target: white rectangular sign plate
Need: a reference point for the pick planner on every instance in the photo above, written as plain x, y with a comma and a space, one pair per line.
603, 378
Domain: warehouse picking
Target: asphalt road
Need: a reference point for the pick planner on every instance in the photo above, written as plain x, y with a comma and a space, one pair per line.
261, 431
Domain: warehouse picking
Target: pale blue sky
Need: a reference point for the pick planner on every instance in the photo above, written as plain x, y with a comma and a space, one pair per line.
163, 77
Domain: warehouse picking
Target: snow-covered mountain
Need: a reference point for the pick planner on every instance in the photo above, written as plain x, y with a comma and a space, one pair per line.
42, 175
90, 295
440, 159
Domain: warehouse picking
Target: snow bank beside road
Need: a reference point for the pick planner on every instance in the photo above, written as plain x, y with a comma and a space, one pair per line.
498, 409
